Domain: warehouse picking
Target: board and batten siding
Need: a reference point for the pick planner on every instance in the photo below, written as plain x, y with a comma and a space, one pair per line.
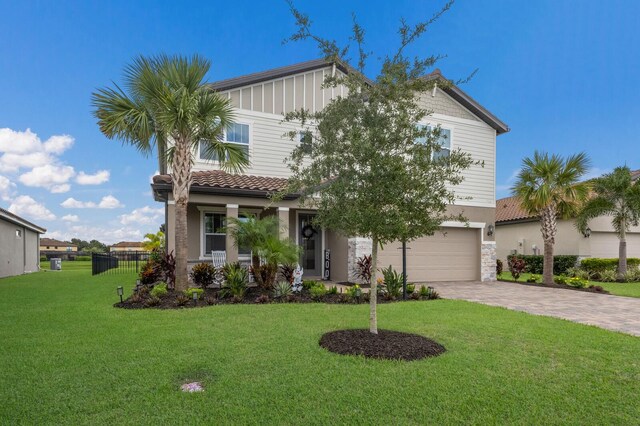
261, 107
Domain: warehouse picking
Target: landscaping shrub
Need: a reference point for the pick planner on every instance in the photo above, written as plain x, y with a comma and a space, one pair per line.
632, 275
577, 282
265, 275
149, 273
189, 292
354, 292
516, 266
596, 265
203, 274
317, 291
307, 284
499, 267
210, 300
607, 276
152, 301
534, 278
182, 299
166, 268
282, 289
364, 267
236, 278
159, 290
561, 279
43, 259
83, 258
535, 263
287, 272
392, 283
411, 288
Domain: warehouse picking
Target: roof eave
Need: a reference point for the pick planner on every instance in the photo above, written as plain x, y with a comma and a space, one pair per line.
161, 191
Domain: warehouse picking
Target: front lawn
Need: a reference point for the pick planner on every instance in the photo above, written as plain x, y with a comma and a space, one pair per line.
619, 289
69, 357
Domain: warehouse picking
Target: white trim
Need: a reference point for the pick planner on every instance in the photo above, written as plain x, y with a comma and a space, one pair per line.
212, 209
452, 118
283, 209
172, 202
203, 211
250, 123
232, 206
456, 224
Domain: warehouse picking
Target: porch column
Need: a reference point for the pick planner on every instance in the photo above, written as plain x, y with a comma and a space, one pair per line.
283, 218
232, 250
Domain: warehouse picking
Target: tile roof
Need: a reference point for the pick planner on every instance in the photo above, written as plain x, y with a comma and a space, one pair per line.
53, 242
220, 179
128, 244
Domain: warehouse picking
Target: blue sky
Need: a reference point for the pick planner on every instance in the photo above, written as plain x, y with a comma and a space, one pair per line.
562, 74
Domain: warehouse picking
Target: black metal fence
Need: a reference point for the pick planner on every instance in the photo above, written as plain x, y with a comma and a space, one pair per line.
118, 262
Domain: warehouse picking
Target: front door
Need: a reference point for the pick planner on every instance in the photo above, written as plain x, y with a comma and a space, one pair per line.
310, 239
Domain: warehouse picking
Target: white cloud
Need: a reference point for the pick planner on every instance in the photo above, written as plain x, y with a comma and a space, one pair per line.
107, 202
24, 149
71, 218
6, 188
99, 177
144, 216
30, 208
51, 177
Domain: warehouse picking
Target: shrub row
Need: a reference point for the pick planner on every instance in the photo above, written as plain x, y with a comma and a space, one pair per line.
597, 265
535, 263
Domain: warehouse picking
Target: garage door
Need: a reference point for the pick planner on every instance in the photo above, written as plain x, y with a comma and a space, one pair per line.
450, 255
606, 244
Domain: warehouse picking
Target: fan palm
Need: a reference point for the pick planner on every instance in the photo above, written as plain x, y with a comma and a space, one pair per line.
167, 106
617, 195
549, 187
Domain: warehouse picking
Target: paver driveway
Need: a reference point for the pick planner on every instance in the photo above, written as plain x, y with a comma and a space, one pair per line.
606, 311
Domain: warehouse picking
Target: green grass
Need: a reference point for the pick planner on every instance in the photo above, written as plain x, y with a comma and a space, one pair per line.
619, 289
70, 265
69, 357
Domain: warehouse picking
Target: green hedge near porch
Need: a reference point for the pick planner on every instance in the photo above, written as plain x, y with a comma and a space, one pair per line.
535, 263
596, 265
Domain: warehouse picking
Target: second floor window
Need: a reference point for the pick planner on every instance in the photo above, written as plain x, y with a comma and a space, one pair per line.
236, 134
444, 141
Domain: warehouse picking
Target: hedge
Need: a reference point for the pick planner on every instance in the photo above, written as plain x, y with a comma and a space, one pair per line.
596, 265
535, 263
83, 258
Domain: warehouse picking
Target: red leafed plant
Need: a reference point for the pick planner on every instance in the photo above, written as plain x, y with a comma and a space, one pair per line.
516, 266
365, 268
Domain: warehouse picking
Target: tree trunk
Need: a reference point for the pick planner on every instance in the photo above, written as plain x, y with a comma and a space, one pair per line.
181, 177
373, 292
548, 221
622, 252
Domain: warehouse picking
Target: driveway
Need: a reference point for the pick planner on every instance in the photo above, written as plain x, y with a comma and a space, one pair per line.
611, 312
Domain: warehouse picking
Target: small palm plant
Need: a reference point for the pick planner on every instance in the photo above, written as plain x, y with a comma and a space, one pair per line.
549, 187
617, 195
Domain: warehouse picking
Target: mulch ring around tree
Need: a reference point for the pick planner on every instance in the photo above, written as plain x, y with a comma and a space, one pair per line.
386, 344
590, 289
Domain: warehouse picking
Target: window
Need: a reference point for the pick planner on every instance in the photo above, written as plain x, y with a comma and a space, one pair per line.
305, 138
444, 141
18, 233
244, 252
69, 249
236, 134
214, 237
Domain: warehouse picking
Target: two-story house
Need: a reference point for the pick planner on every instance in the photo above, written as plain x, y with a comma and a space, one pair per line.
459, 252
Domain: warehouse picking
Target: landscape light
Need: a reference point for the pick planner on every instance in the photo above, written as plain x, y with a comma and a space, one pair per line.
120, 292
195, 297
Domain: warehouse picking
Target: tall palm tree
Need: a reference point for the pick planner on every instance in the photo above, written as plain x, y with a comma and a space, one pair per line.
617, 195
167, 106
549, 187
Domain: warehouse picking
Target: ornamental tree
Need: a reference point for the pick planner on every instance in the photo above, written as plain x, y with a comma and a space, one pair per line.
367, 162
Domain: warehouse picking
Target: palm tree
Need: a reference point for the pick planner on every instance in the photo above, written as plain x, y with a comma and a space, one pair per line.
549, 187
169, 107
617, 195
153, 241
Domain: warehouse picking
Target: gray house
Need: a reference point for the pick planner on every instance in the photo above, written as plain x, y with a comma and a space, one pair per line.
19, 245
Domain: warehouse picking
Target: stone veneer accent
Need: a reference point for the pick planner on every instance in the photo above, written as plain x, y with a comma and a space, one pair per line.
488, 261
357, 247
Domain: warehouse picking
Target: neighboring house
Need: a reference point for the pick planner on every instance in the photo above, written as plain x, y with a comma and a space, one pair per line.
19, 245
50, 245
459, 252
519, 232
127, 246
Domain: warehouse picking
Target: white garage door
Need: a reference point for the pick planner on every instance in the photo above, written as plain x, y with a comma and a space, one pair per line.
606, 244
450, 255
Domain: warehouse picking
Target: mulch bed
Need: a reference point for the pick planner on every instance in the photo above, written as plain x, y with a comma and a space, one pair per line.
386, 344
592, 289
253, 296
